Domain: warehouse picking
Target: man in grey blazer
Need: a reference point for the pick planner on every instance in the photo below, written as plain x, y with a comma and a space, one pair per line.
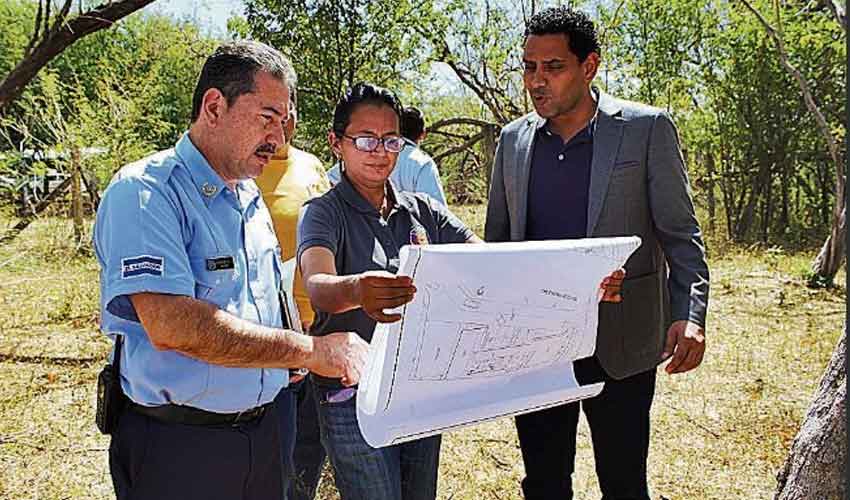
587, 165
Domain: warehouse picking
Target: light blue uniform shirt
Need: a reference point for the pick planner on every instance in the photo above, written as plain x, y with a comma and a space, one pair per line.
168, 224
414, 172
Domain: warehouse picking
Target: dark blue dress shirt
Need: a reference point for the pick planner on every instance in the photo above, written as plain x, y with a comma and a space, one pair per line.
558, 185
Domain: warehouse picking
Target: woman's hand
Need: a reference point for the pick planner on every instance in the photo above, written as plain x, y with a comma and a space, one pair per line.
379, 290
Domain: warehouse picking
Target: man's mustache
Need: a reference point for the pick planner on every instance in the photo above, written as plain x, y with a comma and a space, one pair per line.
267, 148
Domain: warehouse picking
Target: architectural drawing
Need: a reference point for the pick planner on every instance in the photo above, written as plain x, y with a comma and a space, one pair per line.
492, 331
487, 337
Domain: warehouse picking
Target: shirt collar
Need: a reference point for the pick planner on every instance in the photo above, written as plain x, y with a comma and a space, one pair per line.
206, 180
353, 197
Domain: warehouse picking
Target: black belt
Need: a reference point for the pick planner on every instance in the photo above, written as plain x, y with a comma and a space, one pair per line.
178, 414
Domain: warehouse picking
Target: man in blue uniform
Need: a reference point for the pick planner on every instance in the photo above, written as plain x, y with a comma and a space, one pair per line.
190, 281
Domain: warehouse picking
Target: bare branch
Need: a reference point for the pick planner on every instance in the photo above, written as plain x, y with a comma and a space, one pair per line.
62, 34
444, 54
36, 30
449, 134
460, 121
804, 88
61, 18
461, 147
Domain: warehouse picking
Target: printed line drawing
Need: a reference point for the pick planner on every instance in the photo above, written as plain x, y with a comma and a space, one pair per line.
487, 337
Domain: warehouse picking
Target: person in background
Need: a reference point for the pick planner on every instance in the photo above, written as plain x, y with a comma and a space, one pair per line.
292, 177
415, 171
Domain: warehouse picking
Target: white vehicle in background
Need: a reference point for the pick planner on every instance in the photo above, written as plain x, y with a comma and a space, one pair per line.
30, 176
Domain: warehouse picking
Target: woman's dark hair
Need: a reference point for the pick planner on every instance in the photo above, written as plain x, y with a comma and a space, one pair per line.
578, 28
359, 94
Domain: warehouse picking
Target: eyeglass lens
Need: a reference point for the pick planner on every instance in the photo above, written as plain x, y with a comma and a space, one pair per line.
369, 144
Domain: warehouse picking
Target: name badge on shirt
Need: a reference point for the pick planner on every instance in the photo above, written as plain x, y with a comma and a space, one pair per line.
220, 263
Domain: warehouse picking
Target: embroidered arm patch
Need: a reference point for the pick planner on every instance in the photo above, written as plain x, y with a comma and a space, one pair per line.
132, 267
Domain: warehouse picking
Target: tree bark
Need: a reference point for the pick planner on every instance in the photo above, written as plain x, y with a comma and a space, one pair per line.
60, 36
816, 466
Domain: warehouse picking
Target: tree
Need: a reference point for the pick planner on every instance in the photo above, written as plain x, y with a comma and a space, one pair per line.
831, 256
135, 81
71, 129
480, 42
336, 44
816, 467
54, 33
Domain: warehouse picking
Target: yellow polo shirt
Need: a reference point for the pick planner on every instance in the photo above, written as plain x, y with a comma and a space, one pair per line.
292, 177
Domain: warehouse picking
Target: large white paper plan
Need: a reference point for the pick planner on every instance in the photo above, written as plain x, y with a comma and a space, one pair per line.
492, 332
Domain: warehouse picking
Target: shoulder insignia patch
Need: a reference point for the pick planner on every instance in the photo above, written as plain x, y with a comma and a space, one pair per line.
151, 265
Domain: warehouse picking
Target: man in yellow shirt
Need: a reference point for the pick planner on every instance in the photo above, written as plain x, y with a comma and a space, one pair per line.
292, 177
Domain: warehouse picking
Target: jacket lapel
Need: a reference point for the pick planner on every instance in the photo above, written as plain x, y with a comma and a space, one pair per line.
606, 143
525, 146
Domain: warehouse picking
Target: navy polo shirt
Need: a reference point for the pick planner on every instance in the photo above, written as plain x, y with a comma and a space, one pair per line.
342, 221
558, 185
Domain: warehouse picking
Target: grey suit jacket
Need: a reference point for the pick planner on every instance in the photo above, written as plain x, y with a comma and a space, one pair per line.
638, 186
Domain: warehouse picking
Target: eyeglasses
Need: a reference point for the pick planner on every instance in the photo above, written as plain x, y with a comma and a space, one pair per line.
367, 144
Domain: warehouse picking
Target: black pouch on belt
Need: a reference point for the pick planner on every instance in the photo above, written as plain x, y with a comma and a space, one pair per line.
111, 400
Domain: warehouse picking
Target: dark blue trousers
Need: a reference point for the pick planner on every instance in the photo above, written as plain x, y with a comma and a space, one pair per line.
406, 471
151, 459
305, 444
619, 427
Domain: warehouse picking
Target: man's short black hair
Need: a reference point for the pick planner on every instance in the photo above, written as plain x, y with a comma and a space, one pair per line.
412, 123
232, 67
579, 29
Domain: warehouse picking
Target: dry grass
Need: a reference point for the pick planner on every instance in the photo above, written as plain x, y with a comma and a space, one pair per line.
719, 433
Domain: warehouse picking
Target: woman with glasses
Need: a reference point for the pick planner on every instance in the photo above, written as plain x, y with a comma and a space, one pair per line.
348, 249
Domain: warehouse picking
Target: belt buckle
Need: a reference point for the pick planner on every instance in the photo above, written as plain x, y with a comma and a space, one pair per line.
250, 414
237, 420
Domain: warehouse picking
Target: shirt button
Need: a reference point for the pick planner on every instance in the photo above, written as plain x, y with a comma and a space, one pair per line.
560, 157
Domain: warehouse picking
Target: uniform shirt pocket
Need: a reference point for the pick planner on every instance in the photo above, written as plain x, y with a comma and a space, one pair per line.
215, 278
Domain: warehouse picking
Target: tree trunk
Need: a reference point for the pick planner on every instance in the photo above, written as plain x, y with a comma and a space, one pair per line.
709, 188
745, 221
817, 463
76, 195
831, 255
91, 188
489, 150
784, 220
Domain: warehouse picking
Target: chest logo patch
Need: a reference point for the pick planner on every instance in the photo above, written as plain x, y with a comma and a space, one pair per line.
220, 263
